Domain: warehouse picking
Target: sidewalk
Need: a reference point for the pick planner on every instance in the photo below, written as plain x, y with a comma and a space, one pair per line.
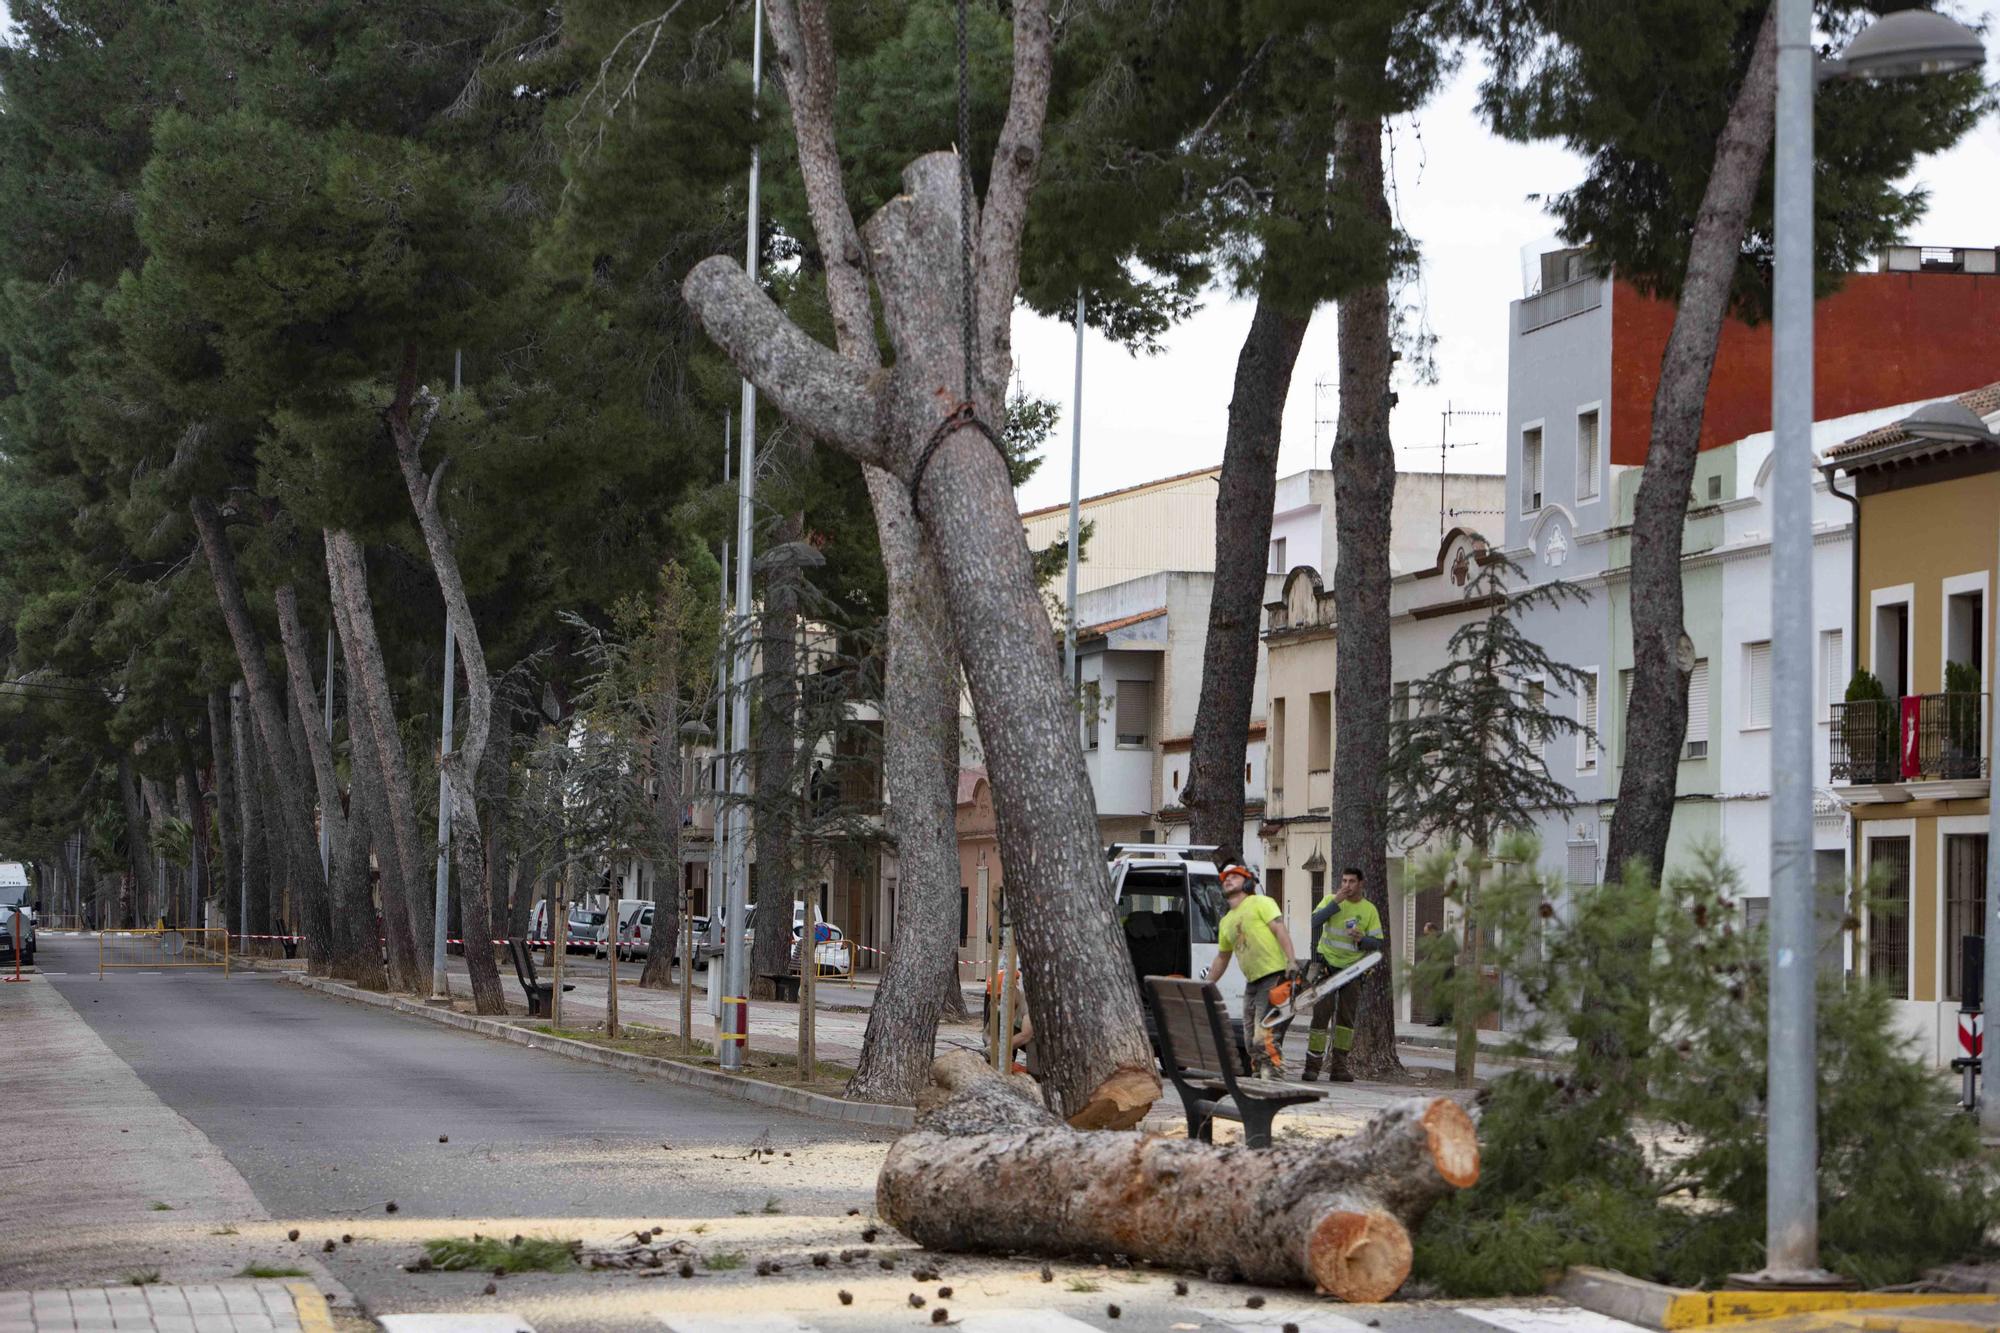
104, 1184
217, 1307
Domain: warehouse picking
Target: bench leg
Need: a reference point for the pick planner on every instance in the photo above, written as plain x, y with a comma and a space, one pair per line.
1257, 1123
1201, 1125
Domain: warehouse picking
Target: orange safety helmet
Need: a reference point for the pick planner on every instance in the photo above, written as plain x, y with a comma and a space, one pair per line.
1237, 869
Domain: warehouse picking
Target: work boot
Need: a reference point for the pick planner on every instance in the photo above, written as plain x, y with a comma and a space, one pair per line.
1337, 1072
1311, 1072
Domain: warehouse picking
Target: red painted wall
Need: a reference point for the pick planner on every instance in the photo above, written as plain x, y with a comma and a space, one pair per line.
1883, 338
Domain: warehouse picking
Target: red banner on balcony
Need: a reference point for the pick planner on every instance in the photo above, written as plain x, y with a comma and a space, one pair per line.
1912, 766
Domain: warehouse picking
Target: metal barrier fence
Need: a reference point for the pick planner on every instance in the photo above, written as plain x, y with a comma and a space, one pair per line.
159, 947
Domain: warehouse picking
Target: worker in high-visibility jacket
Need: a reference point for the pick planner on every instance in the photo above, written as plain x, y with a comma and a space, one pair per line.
1253, 933
1347, 926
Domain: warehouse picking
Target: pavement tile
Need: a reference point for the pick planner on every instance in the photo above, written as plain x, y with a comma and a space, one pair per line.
12, 1325
204, 1300
174, 1323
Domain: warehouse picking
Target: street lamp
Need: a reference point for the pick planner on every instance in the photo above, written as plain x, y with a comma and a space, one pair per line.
1906, 43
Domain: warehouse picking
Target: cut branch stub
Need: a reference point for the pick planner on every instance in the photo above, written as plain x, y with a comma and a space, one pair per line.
988, 1171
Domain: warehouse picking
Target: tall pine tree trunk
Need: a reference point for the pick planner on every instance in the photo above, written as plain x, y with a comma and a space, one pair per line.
1249, 485
1656, 714
462, 767
1364, 480
357, 955
920, 766
228, 810
254, 869
299, 853
668, 799
407, 901
408, 964
309, 735
138, 900
777, 774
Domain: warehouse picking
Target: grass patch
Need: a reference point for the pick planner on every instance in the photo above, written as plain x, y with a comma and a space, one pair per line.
522, 1254
145, 1277
267, 1271
224, 1230
765, 1066
159, 1207
771, 1205
1083, 1284
722, 1261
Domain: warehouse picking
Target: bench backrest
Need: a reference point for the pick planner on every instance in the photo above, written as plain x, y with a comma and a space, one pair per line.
1194, 1030
524, 962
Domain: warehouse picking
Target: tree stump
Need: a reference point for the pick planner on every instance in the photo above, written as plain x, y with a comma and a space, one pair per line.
989, 1170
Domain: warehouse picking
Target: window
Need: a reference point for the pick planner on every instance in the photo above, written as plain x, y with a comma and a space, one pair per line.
1964, 628
1274, 884
1892, 647
1177, 780
1534, 696
1624, 711
1276, 781
1319, 731
1696, 744
1278, 565
1756, 685
964, 915
1531, 469
1093, 710
1583, 863
1964, 903
1135, 712
1888, 915
1587, 460
1399, 702
1832, 671
1715, 488
1315, 890
1586, 714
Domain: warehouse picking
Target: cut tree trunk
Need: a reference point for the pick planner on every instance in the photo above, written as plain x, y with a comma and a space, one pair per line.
1213, 794
461, 767
228, 810
1364, 483
1656, 716
295, 847
372, 727
1081, 993
987, 1171
920, 768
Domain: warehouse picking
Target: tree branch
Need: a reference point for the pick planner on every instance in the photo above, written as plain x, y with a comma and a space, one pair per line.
829, 396
1016, 160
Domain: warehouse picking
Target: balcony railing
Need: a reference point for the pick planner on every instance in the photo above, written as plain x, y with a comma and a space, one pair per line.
1922, 738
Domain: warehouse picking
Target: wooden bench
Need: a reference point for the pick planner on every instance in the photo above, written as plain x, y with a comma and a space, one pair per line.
537, 990
1207, 1069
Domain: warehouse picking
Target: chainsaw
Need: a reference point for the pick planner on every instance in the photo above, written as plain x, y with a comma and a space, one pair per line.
1303, 998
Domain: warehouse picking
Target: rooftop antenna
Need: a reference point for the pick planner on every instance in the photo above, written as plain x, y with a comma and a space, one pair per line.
1446, 444
1321, 388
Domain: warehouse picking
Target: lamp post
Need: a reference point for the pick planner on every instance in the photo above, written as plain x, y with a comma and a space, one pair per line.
1897, 45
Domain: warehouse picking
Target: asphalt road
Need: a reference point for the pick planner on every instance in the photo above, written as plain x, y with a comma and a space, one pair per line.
331, 1111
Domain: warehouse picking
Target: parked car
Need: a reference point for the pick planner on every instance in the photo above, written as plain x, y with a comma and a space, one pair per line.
628, 914
15, 906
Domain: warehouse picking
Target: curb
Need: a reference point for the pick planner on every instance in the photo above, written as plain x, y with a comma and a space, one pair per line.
1617, 1296
314, 1314
876, 1115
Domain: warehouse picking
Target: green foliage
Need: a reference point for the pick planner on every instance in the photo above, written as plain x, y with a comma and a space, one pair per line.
490, 1254
1961, 678
1656, 1165
1864, 687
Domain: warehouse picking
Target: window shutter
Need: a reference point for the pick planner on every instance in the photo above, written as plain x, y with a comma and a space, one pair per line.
1586, 745
1583, 863
1135, 711
1757, 700
1586, 456
1697, 728
1531, 471
1832, 660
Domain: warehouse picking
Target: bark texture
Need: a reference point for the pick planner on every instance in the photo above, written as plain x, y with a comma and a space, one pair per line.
372, 726
296, 846
778, 836
987, 1171
408, 431
920, 722
1656, 716
1364, 488
143, 892
1213, 795
408, 967
228, 867
357, 951
494, 773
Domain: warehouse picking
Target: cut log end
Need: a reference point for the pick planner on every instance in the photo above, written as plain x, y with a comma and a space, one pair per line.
1119, 1102
1454, 1142
1359, 1257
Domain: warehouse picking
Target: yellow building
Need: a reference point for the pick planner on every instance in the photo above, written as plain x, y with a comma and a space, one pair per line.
1911, 763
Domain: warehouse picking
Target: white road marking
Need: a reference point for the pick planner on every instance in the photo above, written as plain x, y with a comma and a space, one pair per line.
1306, 1321
456, 1323
1549, 1319
733, 1323
1023, 1321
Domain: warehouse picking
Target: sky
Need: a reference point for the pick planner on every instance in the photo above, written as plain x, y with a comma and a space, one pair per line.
1464, 195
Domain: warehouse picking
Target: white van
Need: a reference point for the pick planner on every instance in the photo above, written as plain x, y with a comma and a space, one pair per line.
629, 913
1169, 900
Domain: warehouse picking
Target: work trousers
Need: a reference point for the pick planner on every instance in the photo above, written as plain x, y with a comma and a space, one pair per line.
1337, 1012
1266, 1060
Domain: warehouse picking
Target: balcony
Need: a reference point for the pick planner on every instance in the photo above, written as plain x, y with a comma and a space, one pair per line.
1924, 746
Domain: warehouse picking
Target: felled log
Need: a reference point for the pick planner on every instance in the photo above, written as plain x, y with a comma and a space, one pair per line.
989, 1170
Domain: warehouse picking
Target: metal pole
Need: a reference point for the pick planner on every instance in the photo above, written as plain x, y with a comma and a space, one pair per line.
440, 988
1792, 1210
1989, 1105
719, 869
326, 817
1075, 501
736, 975
243, 757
